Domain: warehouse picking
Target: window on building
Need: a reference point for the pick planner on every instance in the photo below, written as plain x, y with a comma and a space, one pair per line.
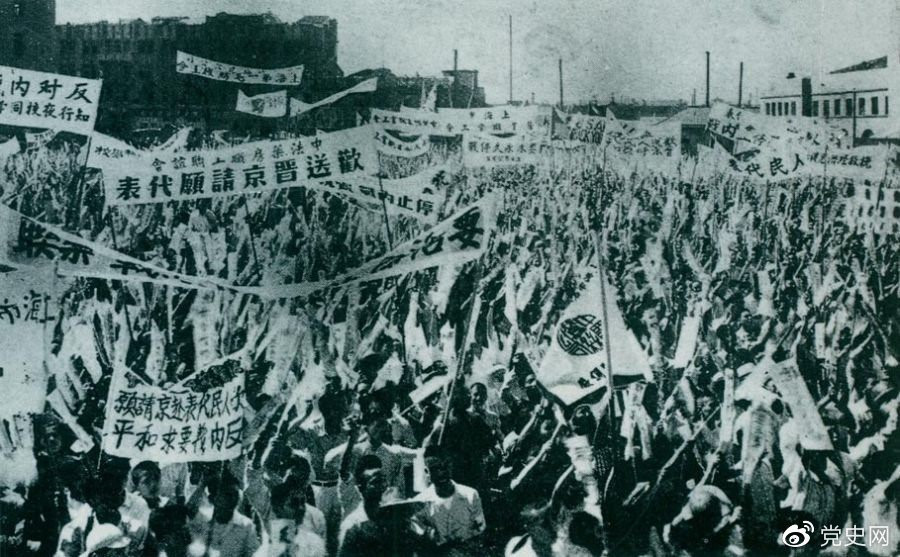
815, 108
885, 105
826, 109
793, 108
848, 104
18, 45
780, 108
873, 107
837, 107
861, 106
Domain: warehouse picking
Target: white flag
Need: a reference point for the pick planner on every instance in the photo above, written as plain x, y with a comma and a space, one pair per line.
177, 142
267, 105
367, 86
8, 149
576, 364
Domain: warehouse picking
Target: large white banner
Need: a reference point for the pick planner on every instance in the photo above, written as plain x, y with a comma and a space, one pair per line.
454, 121
638, 138
25, 242
200, 420
768, 148
247, 168
267, 105
47, 100
194, 65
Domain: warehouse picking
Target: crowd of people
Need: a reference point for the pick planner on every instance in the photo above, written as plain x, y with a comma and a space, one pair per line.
404, 416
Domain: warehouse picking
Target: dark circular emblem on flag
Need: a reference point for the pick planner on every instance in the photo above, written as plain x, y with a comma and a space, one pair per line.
581, 335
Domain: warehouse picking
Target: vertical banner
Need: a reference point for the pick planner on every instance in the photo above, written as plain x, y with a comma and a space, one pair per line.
27, 302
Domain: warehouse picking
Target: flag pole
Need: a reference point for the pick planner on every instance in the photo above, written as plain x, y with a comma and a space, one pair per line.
610, 403
387, 224
463, 353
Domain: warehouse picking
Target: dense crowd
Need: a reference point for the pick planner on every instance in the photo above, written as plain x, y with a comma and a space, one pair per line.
403, 416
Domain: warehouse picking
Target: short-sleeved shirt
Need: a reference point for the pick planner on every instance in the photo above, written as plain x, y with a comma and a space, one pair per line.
235, 538
456, 518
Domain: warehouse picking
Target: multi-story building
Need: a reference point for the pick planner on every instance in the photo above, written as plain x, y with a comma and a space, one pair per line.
26, 33
857, 97
136, 60
142, 90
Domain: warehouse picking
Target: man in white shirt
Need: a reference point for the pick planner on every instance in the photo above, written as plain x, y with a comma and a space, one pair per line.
228, 533
454, 511
296, 528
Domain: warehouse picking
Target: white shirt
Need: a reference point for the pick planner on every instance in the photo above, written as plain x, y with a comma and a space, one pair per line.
235, 538
455, 518
304, 543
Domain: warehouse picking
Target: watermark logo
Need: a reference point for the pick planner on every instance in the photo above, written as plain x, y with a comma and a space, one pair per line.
797, 535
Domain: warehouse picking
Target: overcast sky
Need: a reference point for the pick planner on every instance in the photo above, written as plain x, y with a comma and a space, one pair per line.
650, 49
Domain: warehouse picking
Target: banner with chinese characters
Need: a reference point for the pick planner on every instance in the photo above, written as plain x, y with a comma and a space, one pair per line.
106, 149
390, 144
194, 65
454, 121
46, 100
267, 105
484, 150
579, 127
417, 196
368, 86
637, 138
455, 240
26, 242
768, 148
200, 420
27, 303
247, 168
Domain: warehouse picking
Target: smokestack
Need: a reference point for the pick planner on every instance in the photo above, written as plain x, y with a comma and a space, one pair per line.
510, 61
806, 96
707, 78
560, 84
741, 85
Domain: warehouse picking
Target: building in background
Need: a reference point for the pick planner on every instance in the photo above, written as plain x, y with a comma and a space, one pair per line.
142, 91
857, 97
27, 34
